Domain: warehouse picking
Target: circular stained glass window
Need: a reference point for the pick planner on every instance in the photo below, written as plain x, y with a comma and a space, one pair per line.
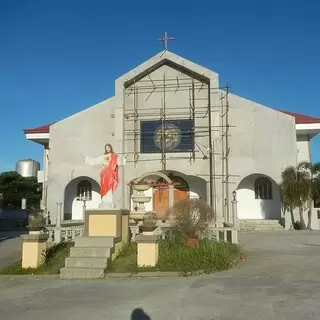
171, 135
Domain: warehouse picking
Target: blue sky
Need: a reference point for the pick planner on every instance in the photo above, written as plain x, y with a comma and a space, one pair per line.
59, 57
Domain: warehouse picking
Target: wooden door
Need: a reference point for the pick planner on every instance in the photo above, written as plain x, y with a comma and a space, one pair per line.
161, 202
180, 195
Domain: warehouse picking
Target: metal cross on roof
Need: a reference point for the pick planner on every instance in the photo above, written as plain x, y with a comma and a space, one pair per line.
165, 40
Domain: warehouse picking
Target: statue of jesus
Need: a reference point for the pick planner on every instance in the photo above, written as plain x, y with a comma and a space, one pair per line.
109, 174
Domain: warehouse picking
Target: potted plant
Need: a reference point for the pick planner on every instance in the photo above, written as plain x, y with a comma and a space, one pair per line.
149, 223
141, 186
36, 222
191, 238
190, 217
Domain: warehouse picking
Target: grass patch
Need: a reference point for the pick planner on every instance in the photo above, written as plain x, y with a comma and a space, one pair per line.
126, 260
209, 256
54, 261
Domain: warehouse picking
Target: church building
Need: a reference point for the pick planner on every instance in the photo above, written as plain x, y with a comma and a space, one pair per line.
172, 118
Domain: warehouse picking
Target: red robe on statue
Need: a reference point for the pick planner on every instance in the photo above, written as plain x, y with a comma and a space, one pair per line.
109, 176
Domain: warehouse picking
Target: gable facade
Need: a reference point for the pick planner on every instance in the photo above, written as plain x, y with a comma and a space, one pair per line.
217, 142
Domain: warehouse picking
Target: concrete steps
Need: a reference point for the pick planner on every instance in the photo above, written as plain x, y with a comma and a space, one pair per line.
90, 252
95, 242
260, 225
88, 258
91, 263
81, 273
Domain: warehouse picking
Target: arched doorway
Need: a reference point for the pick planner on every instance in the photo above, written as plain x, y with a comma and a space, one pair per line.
76, 191
258, 198
161, 194
183, 187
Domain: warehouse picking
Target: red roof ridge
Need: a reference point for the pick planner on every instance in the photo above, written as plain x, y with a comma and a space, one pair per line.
301, 118
42, 129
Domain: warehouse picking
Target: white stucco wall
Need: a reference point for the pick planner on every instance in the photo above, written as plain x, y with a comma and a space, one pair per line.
262, 141
303, 147
83, 133
315, 221
251, 208
75, 207
193, 195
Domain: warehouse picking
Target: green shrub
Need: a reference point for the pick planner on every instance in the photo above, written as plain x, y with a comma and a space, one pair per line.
190, 217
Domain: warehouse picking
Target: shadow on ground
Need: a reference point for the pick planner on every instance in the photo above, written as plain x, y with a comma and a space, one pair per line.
6, 235
139, 314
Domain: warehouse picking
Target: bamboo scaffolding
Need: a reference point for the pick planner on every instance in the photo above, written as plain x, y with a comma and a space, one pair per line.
198, 106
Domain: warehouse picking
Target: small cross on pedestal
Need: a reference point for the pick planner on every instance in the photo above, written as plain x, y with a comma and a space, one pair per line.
165, 40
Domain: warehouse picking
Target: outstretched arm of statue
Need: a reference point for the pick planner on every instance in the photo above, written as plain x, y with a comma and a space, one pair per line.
98, 161
121, 160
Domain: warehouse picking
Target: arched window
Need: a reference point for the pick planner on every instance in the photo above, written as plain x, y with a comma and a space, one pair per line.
84, 190
263, 189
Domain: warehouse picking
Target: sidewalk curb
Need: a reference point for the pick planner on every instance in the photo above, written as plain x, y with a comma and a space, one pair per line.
30, 276
156, 274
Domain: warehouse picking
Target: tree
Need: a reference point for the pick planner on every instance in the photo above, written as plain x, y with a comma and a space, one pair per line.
301, 185
14, 187
190, 217
313, 170
295, 190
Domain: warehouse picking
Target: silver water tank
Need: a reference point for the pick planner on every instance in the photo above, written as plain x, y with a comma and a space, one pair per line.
28, 168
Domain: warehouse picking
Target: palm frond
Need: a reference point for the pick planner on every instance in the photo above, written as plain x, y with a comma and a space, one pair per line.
316, 168
288, 174
304, 165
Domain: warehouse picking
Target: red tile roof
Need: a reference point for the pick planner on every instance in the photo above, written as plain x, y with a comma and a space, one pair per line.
301, 118
43, 129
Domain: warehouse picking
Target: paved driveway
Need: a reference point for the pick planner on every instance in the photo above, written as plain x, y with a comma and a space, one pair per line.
280, 280
10, 247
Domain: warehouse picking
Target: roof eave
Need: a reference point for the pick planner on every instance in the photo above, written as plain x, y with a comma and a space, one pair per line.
311, 129
41, 138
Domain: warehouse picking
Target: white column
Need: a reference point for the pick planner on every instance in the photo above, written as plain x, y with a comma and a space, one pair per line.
234, 209
45, 177
120, 194
234, 213
23, 203
57, 231
84, 207
235, 220
208, 193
